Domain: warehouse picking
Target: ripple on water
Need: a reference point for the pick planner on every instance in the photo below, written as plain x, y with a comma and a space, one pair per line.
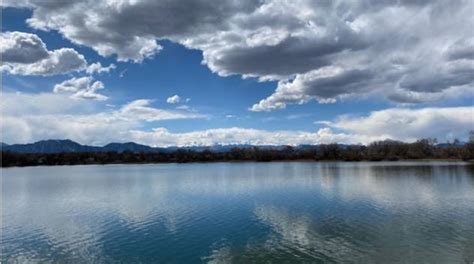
249, 212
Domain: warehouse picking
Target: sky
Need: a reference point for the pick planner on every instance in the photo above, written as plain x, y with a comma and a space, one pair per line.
201, 72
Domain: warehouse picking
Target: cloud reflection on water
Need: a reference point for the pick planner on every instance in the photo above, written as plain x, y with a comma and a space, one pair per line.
326, 211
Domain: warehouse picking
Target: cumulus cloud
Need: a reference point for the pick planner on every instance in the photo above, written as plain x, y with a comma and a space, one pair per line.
461, 49
395, 123
316, 50
237, 135
98, 68
81, 121
412, 97
83, 88
173, 99
323, 85
26, 54
32, 117
410, 124
19, 47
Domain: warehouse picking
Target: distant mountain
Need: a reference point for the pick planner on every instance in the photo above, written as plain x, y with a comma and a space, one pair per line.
49, 146
57, 146
129, 146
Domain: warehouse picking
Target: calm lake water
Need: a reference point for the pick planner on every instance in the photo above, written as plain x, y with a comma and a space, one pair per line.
290, 212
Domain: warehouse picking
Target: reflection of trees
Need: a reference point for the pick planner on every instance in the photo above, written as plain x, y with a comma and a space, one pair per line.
328, 211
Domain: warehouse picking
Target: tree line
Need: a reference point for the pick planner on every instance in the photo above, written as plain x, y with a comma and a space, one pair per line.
377, 151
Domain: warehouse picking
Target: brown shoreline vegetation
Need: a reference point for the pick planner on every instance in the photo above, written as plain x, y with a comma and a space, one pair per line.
387, 150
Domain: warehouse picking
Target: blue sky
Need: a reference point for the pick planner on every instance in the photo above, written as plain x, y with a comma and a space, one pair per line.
221, 93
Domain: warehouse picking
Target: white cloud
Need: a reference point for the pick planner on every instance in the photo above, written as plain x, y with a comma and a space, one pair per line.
122, 73
412, 97
398, 124
83, 88
19, 47
33, 117
28, 117
173, 99
316, 50
410, 124
237, 135
26, 54
184, 107
98, 68
323, 85
141, 110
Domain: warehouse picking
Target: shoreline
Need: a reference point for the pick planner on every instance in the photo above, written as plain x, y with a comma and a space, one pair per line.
422, 150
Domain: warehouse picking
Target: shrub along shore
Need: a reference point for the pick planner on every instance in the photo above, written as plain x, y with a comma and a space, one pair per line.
377, 151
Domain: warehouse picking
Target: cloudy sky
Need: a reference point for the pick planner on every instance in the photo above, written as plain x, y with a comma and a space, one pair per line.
180, 72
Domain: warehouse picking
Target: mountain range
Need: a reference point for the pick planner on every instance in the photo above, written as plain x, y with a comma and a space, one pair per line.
66, 145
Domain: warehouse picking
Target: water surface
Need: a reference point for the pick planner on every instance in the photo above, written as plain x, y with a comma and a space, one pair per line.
290, 212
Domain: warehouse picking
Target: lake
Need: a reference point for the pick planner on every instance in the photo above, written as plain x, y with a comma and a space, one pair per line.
290, 212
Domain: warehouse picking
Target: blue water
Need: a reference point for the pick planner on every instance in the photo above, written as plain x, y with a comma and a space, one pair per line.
278, 212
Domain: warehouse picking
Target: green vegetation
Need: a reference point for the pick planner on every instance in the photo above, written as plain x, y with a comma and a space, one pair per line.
377, 151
